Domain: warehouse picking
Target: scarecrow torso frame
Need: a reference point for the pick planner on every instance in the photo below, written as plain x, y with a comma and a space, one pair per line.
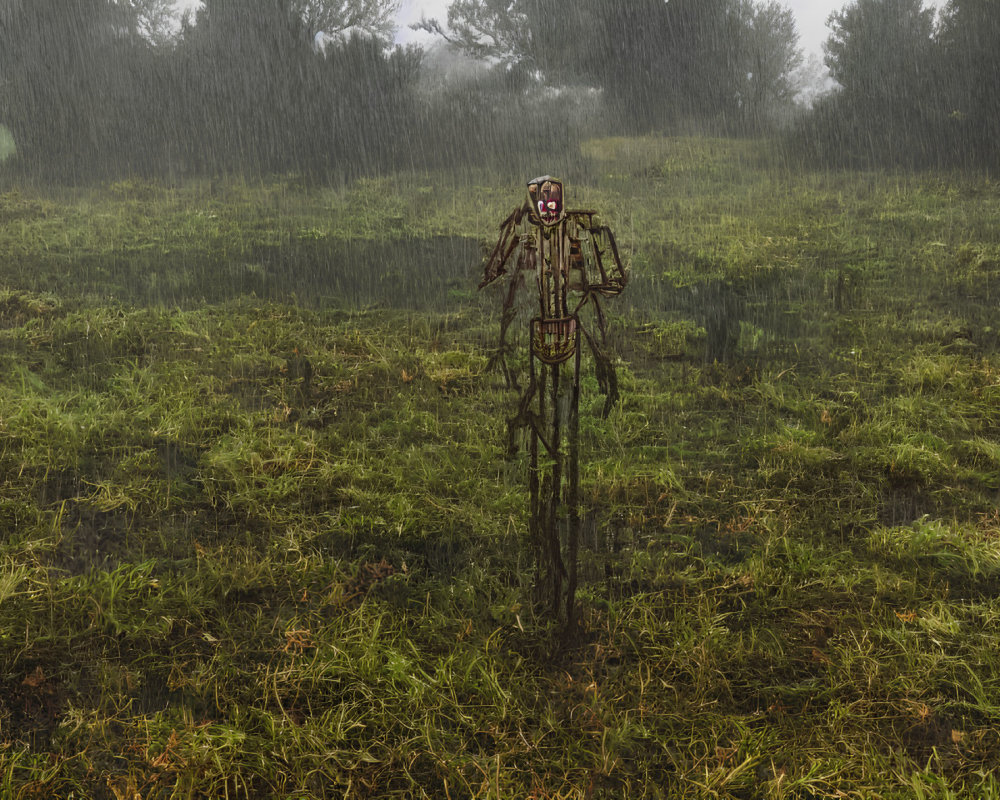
554, 244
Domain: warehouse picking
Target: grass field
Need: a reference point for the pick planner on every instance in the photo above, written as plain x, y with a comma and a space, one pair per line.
7, 148
260, 538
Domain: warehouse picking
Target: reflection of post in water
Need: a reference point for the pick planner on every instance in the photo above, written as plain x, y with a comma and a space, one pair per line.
552, 251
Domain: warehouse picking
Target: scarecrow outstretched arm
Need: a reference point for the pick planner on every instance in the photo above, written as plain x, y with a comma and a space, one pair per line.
496, 265
612, 274
499, 358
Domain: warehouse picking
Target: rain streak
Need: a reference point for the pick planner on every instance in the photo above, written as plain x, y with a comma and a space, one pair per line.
499, 399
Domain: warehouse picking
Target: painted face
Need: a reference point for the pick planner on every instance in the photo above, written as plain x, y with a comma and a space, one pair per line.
546, 198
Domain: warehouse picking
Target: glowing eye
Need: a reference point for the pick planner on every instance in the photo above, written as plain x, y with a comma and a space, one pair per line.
541, 206
553, 205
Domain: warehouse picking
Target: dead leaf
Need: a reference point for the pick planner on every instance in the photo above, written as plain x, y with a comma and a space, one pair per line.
35, 679
724, 754
297, 640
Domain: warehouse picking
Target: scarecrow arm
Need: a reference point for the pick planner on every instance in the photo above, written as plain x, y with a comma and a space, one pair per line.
604, 369
496, 265
613, 276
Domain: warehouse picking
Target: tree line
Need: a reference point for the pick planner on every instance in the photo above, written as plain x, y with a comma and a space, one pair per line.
94, 88
102, 88
915, 88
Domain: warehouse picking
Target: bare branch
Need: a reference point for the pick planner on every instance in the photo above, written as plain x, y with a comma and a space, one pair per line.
333, 18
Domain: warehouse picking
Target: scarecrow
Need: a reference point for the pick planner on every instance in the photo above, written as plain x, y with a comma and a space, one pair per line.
573, 262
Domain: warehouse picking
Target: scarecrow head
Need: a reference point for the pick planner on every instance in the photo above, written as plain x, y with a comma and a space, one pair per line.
545, 197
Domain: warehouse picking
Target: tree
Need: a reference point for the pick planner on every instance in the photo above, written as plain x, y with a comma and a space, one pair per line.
883, 55
271, 84
770, 60
637, 67
246, 65
487, 29
657, 63
879, 49
153, 20
74, 83
970, 44
305, 20
250, 85
334, 18
555, 39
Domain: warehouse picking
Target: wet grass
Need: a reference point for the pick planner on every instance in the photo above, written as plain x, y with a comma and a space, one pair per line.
260, 538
